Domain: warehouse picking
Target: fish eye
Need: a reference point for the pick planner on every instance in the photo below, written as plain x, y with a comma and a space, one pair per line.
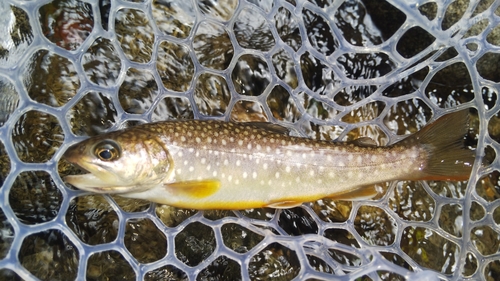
107, 150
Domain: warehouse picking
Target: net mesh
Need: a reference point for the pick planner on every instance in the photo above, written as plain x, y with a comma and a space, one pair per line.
331, 70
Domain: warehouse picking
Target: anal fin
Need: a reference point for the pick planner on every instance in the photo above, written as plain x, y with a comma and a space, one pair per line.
284, 204
361, 193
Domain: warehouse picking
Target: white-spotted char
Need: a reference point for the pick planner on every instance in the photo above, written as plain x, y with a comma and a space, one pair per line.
216, 165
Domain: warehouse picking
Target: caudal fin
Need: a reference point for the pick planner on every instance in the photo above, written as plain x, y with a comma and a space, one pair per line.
444, 141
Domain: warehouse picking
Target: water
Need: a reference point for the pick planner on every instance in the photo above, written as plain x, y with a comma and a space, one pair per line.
325, 69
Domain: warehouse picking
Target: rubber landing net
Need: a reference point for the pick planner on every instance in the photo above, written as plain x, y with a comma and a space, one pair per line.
332, 70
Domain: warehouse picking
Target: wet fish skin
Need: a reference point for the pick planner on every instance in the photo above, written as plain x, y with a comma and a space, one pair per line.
216, 165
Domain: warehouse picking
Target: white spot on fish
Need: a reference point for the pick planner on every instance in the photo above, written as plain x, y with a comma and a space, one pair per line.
237, 181
311, 173
208, 168
245, 175
209, 140
277, 175
191, 168
203, 160
230, 178
238, 162
240, 142
287, 169
374, 158
186, 162
254, 175
226, 162
214, 173
265, 166
359, 159
183, 138
249, 146
180, 154
414, 153
179, 171
223, 142
350, 157
341, 164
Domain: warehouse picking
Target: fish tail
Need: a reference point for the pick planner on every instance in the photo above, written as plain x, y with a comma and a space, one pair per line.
443, 140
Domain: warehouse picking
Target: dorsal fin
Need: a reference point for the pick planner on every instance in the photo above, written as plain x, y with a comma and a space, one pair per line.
275, 128
364, 141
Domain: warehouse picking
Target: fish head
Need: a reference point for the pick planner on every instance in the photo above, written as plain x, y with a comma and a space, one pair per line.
120, 162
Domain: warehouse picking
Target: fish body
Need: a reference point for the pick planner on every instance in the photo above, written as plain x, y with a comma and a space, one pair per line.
219, 165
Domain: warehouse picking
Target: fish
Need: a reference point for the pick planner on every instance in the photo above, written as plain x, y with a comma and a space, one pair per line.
209, 164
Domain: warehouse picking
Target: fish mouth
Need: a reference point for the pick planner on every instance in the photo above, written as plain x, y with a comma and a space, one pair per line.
89, 182
97, 179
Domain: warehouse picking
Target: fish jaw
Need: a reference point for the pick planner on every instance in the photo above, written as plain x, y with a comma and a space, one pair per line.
91, 183
98, 180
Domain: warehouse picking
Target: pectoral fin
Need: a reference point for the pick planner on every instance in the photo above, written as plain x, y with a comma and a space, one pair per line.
365, 192
195, 188
284, 204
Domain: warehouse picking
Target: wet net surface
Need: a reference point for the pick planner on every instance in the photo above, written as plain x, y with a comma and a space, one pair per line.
332, 70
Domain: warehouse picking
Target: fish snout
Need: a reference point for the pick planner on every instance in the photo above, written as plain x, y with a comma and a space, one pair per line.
74, 152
